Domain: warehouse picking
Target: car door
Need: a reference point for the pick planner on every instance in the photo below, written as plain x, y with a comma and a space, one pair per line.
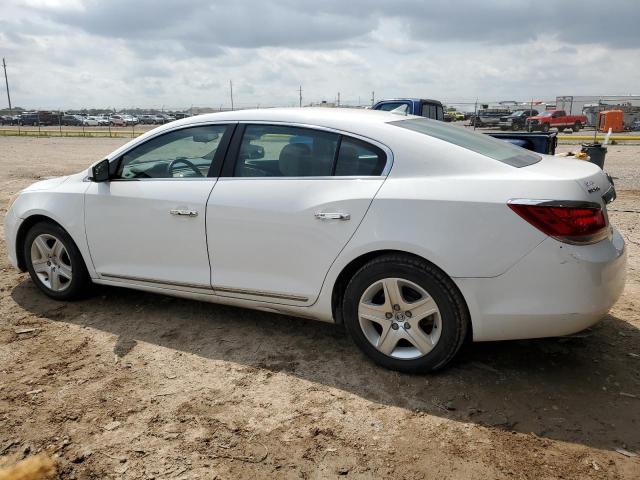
289, 200
148, 222
557, 119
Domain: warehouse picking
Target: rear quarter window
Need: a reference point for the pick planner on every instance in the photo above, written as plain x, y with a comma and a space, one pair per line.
476, 142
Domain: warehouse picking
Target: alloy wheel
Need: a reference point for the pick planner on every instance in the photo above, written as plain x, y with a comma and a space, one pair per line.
399, 318
51, 262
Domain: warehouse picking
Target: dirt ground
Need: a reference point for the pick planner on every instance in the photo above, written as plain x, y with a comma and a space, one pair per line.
136, 385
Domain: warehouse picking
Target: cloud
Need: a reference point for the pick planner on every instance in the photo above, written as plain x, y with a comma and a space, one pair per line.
178, 53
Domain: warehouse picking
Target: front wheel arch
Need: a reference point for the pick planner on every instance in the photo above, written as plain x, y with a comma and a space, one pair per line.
21, 236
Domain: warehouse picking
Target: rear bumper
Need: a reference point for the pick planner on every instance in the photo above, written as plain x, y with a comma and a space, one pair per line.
557, 289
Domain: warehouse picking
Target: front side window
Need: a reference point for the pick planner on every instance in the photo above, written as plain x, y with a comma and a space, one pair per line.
483, 144
283, 151
184, 153
358, 158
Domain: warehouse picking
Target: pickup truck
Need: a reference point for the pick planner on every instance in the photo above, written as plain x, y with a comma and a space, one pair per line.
555, 119
517, 120
537, 142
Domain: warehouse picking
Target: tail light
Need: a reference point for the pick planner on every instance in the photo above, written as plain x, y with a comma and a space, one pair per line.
570, 222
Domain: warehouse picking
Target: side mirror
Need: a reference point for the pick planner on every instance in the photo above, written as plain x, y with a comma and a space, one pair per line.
100, 171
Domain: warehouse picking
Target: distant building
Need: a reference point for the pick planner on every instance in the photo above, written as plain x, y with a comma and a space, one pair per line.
591, 105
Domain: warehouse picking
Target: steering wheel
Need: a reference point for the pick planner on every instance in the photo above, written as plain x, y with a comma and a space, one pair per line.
188, 163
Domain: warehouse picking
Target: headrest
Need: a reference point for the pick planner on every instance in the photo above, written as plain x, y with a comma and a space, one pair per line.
295, 159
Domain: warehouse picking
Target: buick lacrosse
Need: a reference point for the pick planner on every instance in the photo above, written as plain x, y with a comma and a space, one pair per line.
413, 233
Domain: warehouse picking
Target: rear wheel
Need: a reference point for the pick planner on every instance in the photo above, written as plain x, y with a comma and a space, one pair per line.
577, 126
545, 127
516, 127
405, 314
54, 262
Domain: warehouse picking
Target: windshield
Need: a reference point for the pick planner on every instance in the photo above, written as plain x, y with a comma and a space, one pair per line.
483, 144
545, 114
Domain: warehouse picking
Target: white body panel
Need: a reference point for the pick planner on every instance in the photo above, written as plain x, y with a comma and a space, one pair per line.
264, 236
132, 234
441, 202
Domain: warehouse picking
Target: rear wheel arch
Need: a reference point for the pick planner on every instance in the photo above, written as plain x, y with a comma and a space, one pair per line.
357, 263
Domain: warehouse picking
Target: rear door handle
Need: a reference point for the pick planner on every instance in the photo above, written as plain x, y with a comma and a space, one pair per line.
183, 212
333, 216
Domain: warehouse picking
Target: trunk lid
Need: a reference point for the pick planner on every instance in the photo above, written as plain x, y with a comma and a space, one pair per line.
595, 183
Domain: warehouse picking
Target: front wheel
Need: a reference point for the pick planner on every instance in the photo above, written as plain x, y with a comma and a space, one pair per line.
405, 314
577, 126
54, 262
545, 127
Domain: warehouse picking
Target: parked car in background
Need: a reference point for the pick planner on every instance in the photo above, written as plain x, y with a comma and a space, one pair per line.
90, 121
379, 207
71, 120
412, 106
117, 121
489, 117
129, 120
181, 115
516, 121
9, 120
147, 119
455, 115
635, 125
42, 118
556, 119
103, 120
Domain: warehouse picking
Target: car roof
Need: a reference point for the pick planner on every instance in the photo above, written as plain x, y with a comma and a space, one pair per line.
321, 116
407, 99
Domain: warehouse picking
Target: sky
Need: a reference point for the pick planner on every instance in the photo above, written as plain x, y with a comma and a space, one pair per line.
175, 54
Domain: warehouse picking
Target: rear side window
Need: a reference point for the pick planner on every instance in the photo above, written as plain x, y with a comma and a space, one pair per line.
283, 151
358, 158
390, 106
485, 145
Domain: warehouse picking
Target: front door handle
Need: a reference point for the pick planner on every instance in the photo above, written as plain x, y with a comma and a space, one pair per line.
183, 212
333, 216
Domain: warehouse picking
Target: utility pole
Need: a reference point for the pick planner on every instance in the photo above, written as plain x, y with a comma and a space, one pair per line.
300, 95
373, 98
6, 82
231, 92
338, 99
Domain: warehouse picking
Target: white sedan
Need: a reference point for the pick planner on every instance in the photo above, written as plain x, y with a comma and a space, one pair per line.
413, 233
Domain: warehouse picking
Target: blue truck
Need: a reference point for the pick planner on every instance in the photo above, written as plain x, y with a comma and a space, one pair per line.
537, 142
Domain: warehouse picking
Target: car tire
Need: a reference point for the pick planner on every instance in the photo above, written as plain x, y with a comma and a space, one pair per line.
54, 262
577, 126
545, 127
423, 331
516, 127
